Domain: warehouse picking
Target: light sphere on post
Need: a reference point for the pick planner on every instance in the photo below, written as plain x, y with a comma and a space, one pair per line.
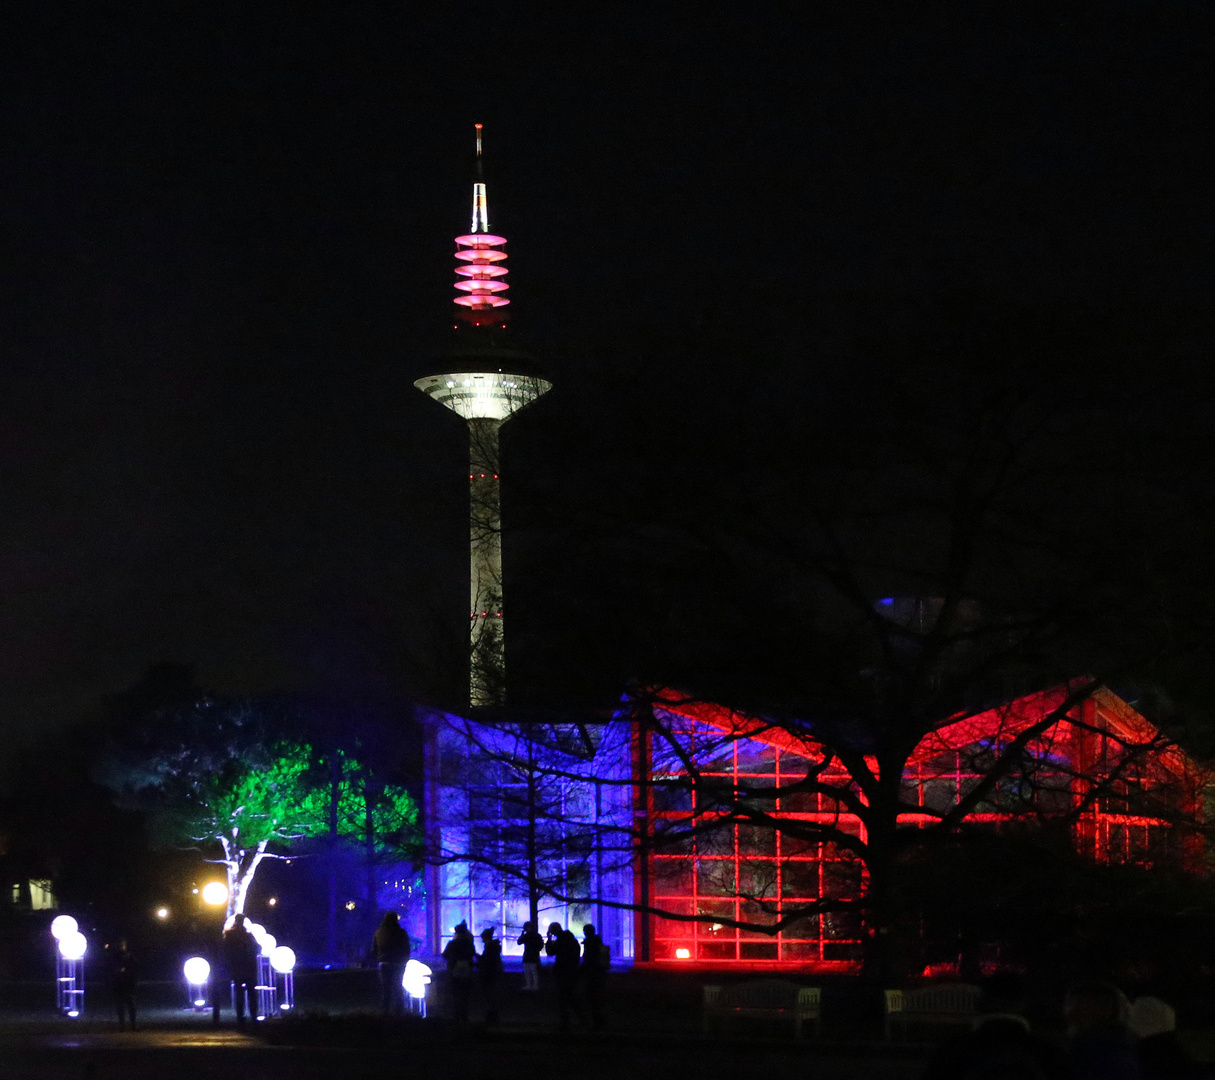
62, 925
215, 893
73, 946
196, 970
282, 959
268, 944
415, 978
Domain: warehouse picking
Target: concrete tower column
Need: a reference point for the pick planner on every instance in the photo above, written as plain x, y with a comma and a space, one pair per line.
486, 646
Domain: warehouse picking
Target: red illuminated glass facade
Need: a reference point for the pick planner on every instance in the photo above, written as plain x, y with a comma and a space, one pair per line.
1101, 766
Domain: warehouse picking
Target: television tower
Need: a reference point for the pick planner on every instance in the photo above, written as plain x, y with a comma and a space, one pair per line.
485, 380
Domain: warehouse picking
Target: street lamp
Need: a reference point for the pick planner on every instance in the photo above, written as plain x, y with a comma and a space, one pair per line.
266, 988
215, 893
71, 946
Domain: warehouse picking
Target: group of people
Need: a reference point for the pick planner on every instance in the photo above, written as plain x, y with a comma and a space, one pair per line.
579, 970
1108, 1038
236, 957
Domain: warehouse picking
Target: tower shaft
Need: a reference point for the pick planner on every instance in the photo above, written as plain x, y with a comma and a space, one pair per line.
487, 646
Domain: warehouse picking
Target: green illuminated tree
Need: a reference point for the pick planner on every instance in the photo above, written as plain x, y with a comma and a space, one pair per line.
240, 776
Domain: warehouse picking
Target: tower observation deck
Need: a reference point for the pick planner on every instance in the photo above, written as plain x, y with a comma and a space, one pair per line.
484, 379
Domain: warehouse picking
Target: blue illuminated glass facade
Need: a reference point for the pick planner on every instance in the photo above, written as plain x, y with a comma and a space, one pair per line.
529, 815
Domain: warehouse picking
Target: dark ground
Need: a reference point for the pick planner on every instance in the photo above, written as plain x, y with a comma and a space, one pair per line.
654, 1031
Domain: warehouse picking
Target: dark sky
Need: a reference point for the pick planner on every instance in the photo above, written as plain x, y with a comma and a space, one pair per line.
226, 244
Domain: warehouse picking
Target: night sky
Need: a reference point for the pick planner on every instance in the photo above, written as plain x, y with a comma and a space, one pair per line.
227, 248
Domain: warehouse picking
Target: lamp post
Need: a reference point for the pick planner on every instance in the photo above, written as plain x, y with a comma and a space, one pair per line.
282, 960
71, 946
266, 990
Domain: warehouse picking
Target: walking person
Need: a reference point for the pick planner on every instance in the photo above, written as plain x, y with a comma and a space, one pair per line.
563, 947
596, 962
533, 945
390, 946
489, 972
240, 958
460, 953
124, 975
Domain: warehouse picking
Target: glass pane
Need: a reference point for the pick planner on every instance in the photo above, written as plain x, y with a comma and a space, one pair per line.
715, 877
756, 757
799, 950
672, 876
800, 802
758, 950
756, 840
715, 839
842, 879
453, 879
453, 912
717, 950
671, 798
805, 929
800, 878
723, 909
757, 878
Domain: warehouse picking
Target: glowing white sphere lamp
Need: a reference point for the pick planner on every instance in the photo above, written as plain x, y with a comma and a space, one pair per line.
415, 980
268, 943
73, 946
62, 925
282, 959
215, 893
197, 972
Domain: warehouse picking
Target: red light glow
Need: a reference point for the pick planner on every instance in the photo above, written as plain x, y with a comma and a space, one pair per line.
481, 270
481, 278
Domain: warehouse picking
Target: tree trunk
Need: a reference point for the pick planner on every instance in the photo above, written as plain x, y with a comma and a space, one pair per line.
335, 792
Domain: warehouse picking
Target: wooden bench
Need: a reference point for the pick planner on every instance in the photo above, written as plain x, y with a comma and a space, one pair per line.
948, 1003
765, 998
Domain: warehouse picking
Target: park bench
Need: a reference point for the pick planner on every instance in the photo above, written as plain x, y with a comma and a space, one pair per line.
766, 999
951, 1003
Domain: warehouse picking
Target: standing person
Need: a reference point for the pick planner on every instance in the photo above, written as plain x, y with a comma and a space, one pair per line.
489, 969
390, 946
240, 958
563, 947
532, 944
596, 962
124, 974
459, 954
